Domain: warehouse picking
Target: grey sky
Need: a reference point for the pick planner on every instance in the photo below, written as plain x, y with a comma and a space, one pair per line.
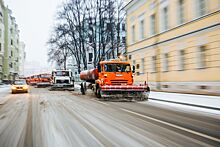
35, 20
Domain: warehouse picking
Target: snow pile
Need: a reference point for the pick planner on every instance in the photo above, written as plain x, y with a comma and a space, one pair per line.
198, 100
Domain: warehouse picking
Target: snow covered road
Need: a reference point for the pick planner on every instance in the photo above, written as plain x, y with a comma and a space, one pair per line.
45, 118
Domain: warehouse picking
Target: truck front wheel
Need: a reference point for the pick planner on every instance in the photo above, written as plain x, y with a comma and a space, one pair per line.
98, 93
82, 89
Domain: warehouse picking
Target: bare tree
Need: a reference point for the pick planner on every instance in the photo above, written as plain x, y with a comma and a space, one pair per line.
58, 51
84, 25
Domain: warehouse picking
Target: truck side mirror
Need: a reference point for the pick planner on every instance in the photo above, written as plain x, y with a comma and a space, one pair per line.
99, 68
133, 69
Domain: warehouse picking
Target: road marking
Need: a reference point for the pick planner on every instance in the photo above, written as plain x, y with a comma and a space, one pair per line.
101, 102
172, 125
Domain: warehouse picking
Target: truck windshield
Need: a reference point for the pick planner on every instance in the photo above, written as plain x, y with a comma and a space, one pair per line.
117, 67
61, 73
45, 76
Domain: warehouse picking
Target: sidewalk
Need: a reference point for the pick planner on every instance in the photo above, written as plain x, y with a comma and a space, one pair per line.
211, 102
204, 101
4, 88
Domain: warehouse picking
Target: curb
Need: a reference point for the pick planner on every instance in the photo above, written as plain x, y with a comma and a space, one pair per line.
207, 107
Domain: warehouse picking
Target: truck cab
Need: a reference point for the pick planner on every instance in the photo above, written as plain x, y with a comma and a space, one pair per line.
62, 79
44, 80
114, 79
34, 80
115, 72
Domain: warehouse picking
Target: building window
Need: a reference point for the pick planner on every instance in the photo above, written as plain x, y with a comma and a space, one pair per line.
166, 62
180, 12
0, 33
202, 57
181, 60
0, 47
142, 65
90, 57
133, 62
11, 53
1, 62
90, 39
129, 57
152, 25
201, 7
124, 40
138, 66
11, 65
109, 55
133, 33
123, 27
141, 29
11, 31
118, 26
153, 64
164, 19
11, 42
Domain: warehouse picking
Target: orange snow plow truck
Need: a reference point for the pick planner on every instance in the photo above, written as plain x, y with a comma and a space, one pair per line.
114, 79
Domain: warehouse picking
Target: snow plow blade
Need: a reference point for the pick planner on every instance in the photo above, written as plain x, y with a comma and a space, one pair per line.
60, 87
138, 93
43, 85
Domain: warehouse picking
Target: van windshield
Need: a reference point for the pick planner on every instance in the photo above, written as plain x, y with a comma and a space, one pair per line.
117, 67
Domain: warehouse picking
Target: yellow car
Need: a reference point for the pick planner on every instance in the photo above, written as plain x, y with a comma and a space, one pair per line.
19, 86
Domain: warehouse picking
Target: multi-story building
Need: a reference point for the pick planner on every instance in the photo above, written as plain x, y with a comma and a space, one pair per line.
1, 39
22, 57
14, 48
6, 16
9, 45
174, 44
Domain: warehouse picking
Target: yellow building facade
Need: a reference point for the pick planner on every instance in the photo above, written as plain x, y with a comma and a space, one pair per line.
175, 44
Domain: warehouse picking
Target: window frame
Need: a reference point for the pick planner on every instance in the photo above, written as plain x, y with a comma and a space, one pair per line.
142, 29
201, 56
152, 24
133, 33
180, 12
